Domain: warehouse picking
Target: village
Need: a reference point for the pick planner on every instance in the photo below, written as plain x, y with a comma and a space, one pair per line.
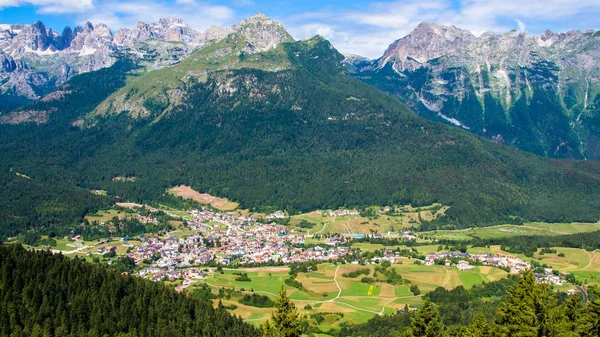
507, 262
226, 238
221, 239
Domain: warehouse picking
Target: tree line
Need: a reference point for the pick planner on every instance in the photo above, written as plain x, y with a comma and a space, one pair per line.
46, 294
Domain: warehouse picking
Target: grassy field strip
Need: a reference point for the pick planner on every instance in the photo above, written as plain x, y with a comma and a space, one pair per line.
66, 252
337, 285
357, 308
591, 260
538, 228
322, 229
393, 300
447, 277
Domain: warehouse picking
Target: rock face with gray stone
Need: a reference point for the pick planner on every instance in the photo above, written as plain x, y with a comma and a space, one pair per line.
36, 60
536, 92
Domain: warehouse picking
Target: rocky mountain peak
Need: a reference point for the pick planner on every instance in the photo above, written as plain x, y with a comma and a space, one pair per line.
168, 29
262, 33
426, 42
434, 29
212, 34
91, 47
87, 27
450, 75
38, 38
171, 21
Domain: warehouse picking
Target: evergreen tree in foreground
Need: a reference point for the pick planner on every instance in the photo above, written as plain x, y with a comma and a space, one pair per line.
531, 309
426, 322
285, 320
44, 294
479, 327
589, 323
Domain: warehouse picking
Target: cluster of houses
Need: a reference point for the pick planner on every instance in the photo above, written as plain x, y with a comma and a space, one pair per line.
222, 238
340, 212
204, 220
548, 276
104, 250
276, 215
244, 240
497, 260
171, 274
146, 219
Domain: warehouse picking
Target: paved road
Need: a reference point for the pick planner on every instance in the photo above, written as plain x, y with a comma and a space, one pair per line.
584, 293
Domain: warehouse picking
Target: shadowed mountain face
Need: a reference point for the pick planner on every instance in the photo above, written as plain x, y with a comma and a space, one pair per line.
538, 93
275, 123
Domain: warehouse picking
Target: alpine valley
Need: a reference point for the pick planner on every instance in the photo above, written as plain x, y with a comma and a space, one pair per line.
250, 114
162, 181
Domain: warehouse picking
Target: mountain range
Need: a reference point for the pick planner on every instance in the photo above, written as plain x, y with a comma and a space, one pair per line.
36, 60
253, 115
536, 92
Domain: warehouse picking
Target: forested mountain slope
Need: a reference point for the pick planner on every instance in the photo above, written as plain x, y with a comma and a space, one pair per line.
285, 128
53, 295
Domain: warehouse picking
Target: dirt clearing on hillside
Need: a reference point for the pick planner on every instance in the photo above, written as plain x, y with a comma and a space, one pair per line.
187, 192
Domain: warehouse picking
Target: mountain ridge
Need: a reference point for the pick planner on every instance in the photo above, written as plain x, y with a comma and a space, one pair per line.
309, 135
47, 59
536, 92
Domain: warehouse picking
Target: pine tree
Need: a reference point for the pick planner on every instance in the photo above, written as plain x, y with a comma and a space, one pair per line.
479, 327
285, 320
426, 322
516, 315
531, 309
573, 308
589, 323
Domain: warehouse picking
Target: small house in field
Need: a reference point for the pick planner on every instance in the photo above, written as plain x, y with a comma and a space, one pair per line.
464, 265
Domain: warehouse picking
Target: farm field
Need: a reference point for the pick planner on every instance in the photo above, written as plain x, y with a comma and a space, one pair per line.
583, 264
406, 217
106, 215
360, 301
356, 300
501, 231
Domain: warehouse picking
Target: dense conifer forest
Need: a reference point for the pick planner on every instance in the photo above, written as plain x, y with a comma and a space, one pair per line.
28, 204
53, 295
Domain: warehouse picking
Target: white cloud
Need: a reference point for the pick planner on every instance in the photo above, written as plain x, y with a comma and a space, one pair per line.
126, 13
521, 25
118, 14
52, 6
369, 30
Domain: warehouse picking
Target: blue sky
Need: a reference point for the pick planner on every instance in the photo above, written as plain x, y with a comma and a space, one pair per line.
360, 27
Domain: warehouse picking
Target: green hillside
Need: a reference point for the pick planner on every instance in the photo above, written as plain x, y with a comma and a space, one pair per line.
53, 295
298, 134
26, 203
